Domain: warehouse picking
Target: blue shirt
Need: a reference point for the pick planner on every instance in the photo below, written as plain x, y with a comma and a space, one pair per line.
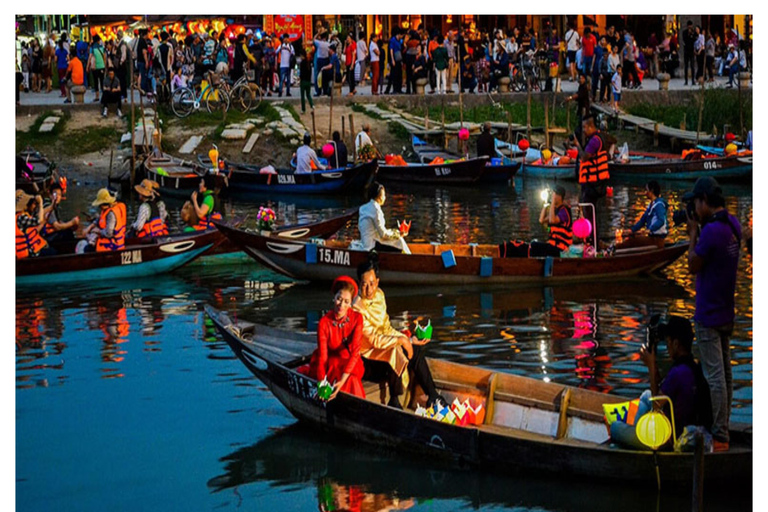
61, 58
718, 245
394, 46
654, 218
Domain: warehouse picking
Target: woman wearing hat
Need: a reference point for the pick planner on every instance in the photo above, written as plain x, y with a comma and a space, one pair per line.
339, 334
151, 219
209, 210
30, 219
109, 228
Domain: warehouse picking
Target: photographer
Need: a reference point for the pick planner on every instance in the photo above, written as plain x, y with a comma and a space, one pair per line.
684, 383
713, 255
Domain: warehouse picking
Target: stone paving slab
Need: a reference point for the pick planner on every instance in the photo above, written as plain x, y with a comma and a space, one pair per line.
46, 127
251, 142
234, 134
52, 120
191, 144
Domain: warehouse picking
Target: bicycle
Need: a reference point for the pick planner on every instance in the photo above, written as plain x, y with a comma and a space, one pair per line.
245, 95
526, 74
184, 99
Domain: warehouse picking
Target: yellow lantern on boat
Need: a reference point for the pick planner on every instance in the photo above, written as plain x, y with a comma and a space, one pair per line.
213, 154
653, 428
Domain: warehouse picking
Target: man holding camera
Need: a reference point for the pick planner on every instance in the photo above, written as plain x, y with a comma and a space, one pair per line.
713, 255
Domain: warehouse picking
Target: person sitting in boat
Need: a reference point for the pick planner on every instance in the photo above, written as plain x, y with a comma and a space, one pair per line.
684, 383
733, 150
109, 227
388, 354
339, 334
556, 214
362, 140
306, 156
30, 220
209, 210
54, 229
152, 216
339, 157
188, 217
373, 230
651, 229
550, 158
485, 142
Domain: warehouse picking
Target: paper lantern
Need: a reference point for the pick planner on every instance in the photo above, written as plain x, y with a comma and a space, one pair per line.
328, 150
523, 144
463, 134
731, 149
572, 153
730, 137
546, 155
424, 332
213, 154
653, 429
582, 228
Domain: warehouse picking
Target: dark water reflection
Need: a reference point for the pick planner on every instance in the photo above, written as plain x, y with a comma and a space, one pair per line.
133, 371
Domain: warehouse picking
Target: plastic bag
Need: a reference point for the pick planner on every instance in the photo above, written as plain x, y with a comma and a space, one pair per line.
624, 153
687, 440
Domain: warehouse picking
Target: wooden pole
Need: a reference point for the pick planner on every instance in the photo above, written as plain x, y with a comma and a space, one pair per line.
461, 102
352, 125
330, 112
445, 136
426, 115
133, 127
159, 134
111, 155
143, 124
698, 474
314, 128
528, 114
546, 121
701, 112
343, 133
509, 126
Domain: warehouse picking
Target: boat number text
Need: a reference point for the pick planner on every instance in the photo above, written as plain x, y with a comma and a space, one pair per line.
130, 257
711, 165
333, 256
286, 179
442, 171
300, 386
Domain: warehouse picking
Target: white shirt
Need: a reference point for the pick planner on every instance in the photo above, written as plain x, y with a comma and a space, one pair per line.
374, 46
362, 50
361, 140
573, 40
372, 226
286, 50
305, 155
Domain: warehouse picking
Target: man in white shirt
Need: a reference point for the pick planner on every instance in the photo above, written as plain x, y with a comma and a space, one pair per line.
305, 155
374, 51
572, 43
363, 139
362, 53
286, 52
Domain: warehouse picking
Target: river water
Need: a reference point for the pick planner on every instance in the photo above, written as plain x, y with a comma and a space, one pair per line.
127, 399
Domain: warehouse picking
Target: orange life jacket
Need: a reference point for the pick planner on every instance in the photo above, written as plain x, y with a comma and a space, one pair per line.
596, 169
561, 236
155, 226
28, 242
206, 221
117, 242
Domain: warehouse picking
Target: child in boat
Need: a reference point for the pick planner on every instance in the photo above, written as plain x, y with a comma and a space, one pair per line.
339, 333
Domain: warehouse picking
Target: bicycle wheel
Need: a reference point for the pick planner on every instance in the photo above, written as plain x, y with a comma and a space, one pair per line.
241, 98
182, 102
217, 100
257, 96
163, 93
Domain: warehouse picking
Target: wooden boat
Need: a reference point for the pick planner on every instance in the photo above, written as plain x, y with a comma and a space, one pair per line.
455, 171
653, 167
474, 264
159, 256
528, 424
249, 179
548, 172
177, 177
34, 172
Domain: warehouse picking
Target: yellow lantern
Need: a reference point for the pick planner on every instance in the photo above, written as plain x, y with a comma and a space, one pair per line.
653, 428
213, 154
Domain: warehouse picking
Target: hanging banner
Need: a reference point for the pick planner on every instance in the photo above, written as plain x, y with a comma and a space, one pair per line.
269, 24
308, 30
293, 25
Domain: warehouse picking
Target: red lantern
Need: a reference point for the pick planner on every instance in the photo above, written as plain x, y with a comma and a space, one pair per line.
523, 144
572, 153
463, 134
328, 150
582, 228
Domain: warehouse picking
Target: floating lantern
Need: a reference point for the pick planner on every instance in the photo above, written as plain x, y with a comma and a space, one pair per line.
463, 134
328, 150
523, 144
582, 228
609, 191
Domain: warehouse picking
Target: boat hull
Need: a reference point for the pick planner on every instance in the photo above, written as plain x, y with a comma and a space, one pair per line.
732, 168
474, 170
350, 180
549, 172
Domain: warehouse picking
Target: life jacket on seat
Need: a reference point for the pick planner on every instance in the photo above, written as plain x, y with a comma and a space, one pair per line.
117, 241
596, 169
561, 236
28, 241
206, 221
155, 226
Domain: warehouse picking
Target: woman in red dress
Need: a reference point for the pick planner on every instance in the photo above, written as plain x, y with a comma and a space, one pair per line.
337, 357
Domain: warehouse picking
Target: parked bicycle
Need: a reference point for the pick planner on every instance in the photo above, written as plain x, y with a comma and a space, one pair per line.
245, 94
186, 100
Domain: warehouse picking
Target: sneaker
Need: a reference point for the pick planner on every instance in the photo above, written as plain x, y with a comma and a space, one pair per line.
720, 446
104, 112
119, 113
67, 100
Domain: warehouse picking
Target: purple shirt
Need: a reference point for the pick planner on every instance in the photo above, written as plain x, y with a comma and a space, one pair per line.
718, 246
594, 145
680, 386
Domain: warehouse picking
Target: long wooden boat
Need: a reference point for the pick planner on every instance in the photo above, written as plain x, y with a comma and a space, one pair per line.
34, 172
177, 177
161, 255
457, 172
548, 172
474, 264
528, 424
248, 179
651, 167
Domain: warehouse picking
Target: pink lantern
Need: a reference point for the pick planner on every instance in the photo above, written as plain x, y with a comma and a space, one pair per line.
328, 150
582, 228
463, 134
523, 144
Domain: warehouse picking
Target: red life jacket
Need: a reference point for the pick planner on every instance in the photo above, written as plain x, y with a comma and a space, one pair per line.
117, 242
596, 169
155, 226
561, 236
28, 242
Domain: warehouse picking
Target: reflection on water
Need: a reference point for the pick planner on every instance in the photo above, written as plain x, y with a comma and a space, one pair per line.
113, 341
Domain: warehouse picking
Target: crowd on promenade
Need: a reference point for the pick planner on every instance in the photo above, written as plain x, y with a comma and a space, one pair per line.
458, 59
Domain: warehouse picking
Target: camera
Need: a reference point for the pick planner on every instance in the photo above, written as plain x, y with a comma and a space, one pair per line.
681, 215
653, 333
572, 137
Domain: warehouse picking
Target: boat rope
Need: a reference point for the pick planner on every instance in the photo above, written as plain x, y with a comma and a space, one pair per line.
658, 475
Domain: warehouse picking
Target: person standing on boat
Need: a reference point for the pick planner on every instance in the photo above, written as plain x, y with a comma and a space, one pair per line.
339, 157
306, 156
54, 229
373, 230
30, 220
210, 209
339, 335
389, 354
593, 173
713, 256
109, 227
651, 229
152, 216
